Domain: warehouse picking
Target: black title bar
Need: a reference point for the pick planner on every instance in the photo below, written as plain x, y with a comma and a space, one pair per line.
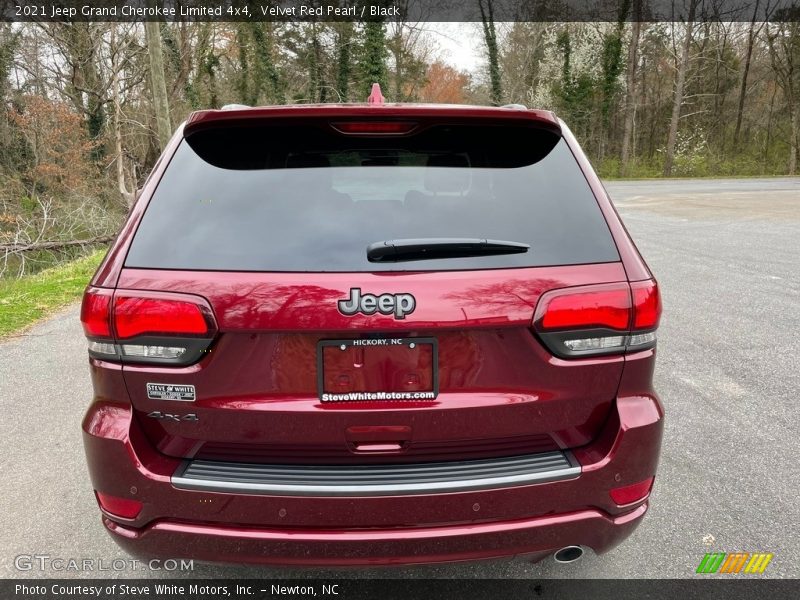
397, 10
703, 587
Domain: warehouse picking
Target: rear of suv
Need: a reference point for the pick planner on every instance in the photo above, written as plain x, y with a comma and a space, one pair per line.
372, 334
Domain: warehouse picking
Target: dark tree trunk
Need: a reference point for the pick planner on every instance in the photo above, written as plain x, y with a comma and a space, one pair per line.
680, 82
751, 36
630, 91
158, 83
490, 35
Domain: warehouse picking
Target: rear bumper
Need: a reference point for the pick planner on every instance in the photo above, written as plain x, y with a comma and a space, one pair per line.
531, 519
533, 537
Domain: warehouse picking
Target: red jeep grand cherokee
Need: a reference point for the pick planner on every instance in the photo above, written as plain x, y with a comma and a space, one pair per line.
372, 334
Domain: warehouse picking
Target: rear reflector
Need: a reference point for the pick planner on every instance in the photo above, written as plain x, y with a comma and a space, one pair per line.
374, 127
120, 507
135, 316
631, 493
95, 313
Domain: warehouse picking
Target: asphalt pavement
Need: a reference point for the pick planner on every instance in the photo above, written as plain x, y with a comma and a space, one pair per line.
726, 253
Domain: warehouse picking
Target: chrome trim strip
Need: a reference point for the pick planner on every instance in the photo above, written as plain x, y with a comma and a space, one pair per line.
375, 480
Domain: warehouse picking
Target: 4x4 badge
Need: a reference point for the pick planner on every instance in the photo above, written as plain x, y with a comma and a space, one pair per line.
399, 305
157, 414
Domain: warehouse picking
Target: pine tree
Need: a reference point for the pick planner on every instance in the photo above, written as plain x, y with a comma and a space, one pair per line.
373, 63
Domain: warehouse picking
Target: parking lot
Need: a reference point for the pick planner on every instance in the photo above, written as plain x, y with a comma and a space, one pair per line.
726, 253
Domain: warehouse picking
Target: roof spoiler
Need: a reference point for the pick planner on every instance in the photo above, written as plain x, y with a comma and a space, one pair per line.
239, 114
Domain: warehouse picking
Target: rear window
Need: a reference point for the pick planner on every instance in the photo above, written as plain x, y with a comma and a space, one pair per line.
308, 198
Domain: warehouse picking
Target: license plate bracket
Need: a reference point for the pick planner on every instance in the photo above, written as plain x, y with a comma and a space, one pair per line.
378, 369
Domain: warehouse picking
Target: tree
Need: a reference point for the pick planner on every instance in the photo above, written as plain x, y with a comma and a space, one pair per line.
373, 63
266, 71
574, 91
207, 64
318, 87
490, 36
523, 56
8, 47
408, 51
783, 38
751, 38
345, 32
59, 149
444, 84
680, 81
119, 49
78, 73
244, 75
612, 61
630, 88
158, 83
180, 62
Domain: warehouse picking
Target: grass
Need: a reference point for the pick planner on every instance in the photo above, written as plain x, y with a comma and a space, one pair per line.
26, 300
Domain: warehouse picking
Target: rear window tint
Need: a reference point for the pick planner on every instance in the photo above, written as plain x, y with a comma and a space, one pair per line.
307, 198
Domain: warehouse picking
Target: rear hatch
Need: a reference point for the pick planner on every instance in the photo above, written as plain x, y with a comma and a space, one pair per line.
368, 288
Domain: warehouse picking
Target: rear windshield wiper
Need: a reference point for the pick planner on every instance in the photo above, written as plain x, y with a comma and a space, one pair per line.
435, 248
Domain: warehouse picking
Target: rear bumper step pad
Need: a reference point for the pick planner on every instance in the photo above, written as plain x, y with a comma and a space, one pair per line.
375, 480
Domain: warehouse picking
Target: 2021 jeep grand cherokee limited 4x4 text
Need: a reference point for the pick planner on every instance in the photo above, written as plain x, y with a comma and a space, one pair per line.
359, 334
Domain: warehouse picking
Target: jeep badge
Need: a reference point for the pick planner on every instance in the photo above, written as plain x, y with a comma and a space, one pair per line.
398, 304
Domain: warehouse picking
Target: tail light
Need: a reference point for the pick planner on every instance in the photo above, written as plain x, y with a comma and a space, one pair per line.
147, 327
374, 127
599, 319
96, 313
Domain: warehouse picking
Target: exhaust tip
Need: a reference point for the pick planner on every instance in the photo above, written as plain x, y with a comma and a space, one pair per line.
568, 554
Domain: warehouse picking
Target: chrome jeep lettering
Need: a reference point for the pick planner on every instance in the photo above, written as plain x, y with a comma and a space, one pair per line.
399, 305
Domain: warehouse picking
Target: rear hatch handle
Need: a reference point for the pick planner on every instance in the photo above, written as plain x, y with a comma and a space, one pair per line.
378, 439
